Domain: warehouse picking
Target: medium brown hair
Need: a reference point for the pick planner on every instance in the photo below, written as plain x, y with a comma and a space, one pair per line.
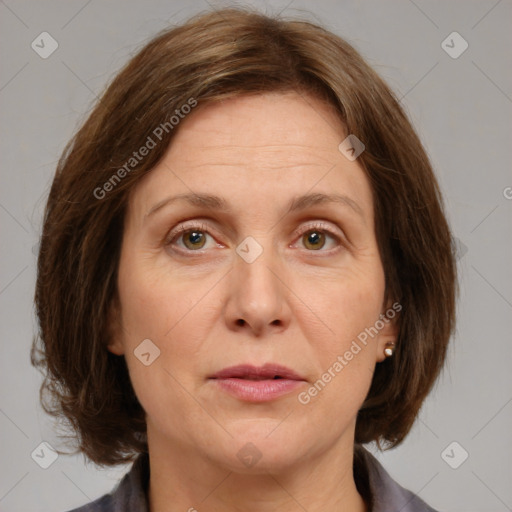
223, 54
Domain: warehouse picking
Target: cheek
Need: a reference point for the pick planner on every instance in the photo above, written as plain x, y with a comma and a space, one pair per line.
153, 310
168, 311
347, 307
154, 302
344, 305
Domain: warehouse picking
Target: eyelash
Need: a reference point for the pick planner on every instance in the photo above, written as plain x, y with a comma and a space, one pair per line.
318, 226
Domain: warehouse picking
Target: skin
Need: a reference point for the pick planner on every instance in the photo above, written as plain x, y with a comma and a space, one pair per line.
302, 304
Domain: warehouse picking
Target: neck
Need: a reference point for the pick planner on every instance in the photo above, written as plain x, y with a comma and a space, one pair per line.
183, 480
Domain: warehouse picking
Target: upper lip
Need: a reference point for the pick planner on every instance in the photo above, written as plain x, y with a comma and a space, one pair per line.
267, 371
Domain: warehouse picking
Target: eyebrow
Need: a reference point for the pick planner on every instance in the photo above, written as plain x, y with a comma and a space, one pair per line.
217, 203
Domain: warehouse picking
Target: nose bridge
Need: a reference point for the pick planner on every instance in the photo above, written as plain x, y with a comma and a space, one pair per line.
257, 291
255, 259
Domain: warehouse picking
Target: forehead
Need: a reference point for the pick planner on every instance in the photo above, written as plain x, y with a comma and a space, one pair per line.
273, 122
260, 146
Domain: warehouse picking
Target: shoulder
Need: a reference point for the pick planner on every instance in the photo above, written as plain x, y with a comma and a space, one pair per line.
129, 495
103, 504
387, 494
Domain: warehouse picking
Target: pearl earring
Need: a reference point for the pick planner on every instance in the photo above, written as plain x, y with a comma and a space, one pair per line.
388, 351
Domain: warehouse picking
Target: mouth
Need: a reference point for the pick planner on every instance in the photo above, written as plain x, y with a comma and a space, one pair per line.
257, 384
269, 371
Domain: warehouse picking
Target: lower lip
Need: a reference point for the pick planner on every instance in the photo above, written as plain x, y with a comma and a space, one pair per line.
258, 390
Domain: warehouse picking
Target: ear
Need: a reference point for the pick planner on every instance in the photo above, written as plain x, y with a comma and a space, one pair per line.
115, 330
390, 317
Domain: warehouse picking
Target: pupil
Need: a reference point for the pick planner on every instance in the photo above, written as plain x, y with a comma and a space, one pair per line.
314, 238
194, 237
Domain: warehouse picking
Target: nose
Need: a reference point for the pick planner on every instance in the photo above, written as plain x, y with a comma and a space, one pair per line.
258, 297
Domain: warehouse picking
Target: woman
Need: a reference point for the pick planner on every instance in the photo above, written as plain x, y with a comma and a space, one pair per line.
245, 274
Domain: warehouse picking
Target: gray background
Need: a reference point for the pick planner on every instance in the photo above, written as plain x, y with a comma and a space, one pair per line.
462, 110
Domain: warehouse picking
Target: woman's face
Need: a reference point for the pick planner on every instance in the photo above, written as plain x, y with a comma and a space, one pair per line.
263, 275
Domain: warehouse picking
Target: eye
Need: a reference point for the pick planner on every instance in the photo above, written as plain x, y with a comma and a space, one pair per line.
193, 237
314, 237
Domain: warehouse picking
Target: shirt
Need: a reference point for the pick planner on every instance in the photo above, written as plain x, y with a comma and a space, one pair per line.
382, 493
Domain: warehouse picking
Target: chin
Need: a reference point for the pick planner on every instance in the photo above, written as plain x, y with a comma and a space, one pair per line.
262, 446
